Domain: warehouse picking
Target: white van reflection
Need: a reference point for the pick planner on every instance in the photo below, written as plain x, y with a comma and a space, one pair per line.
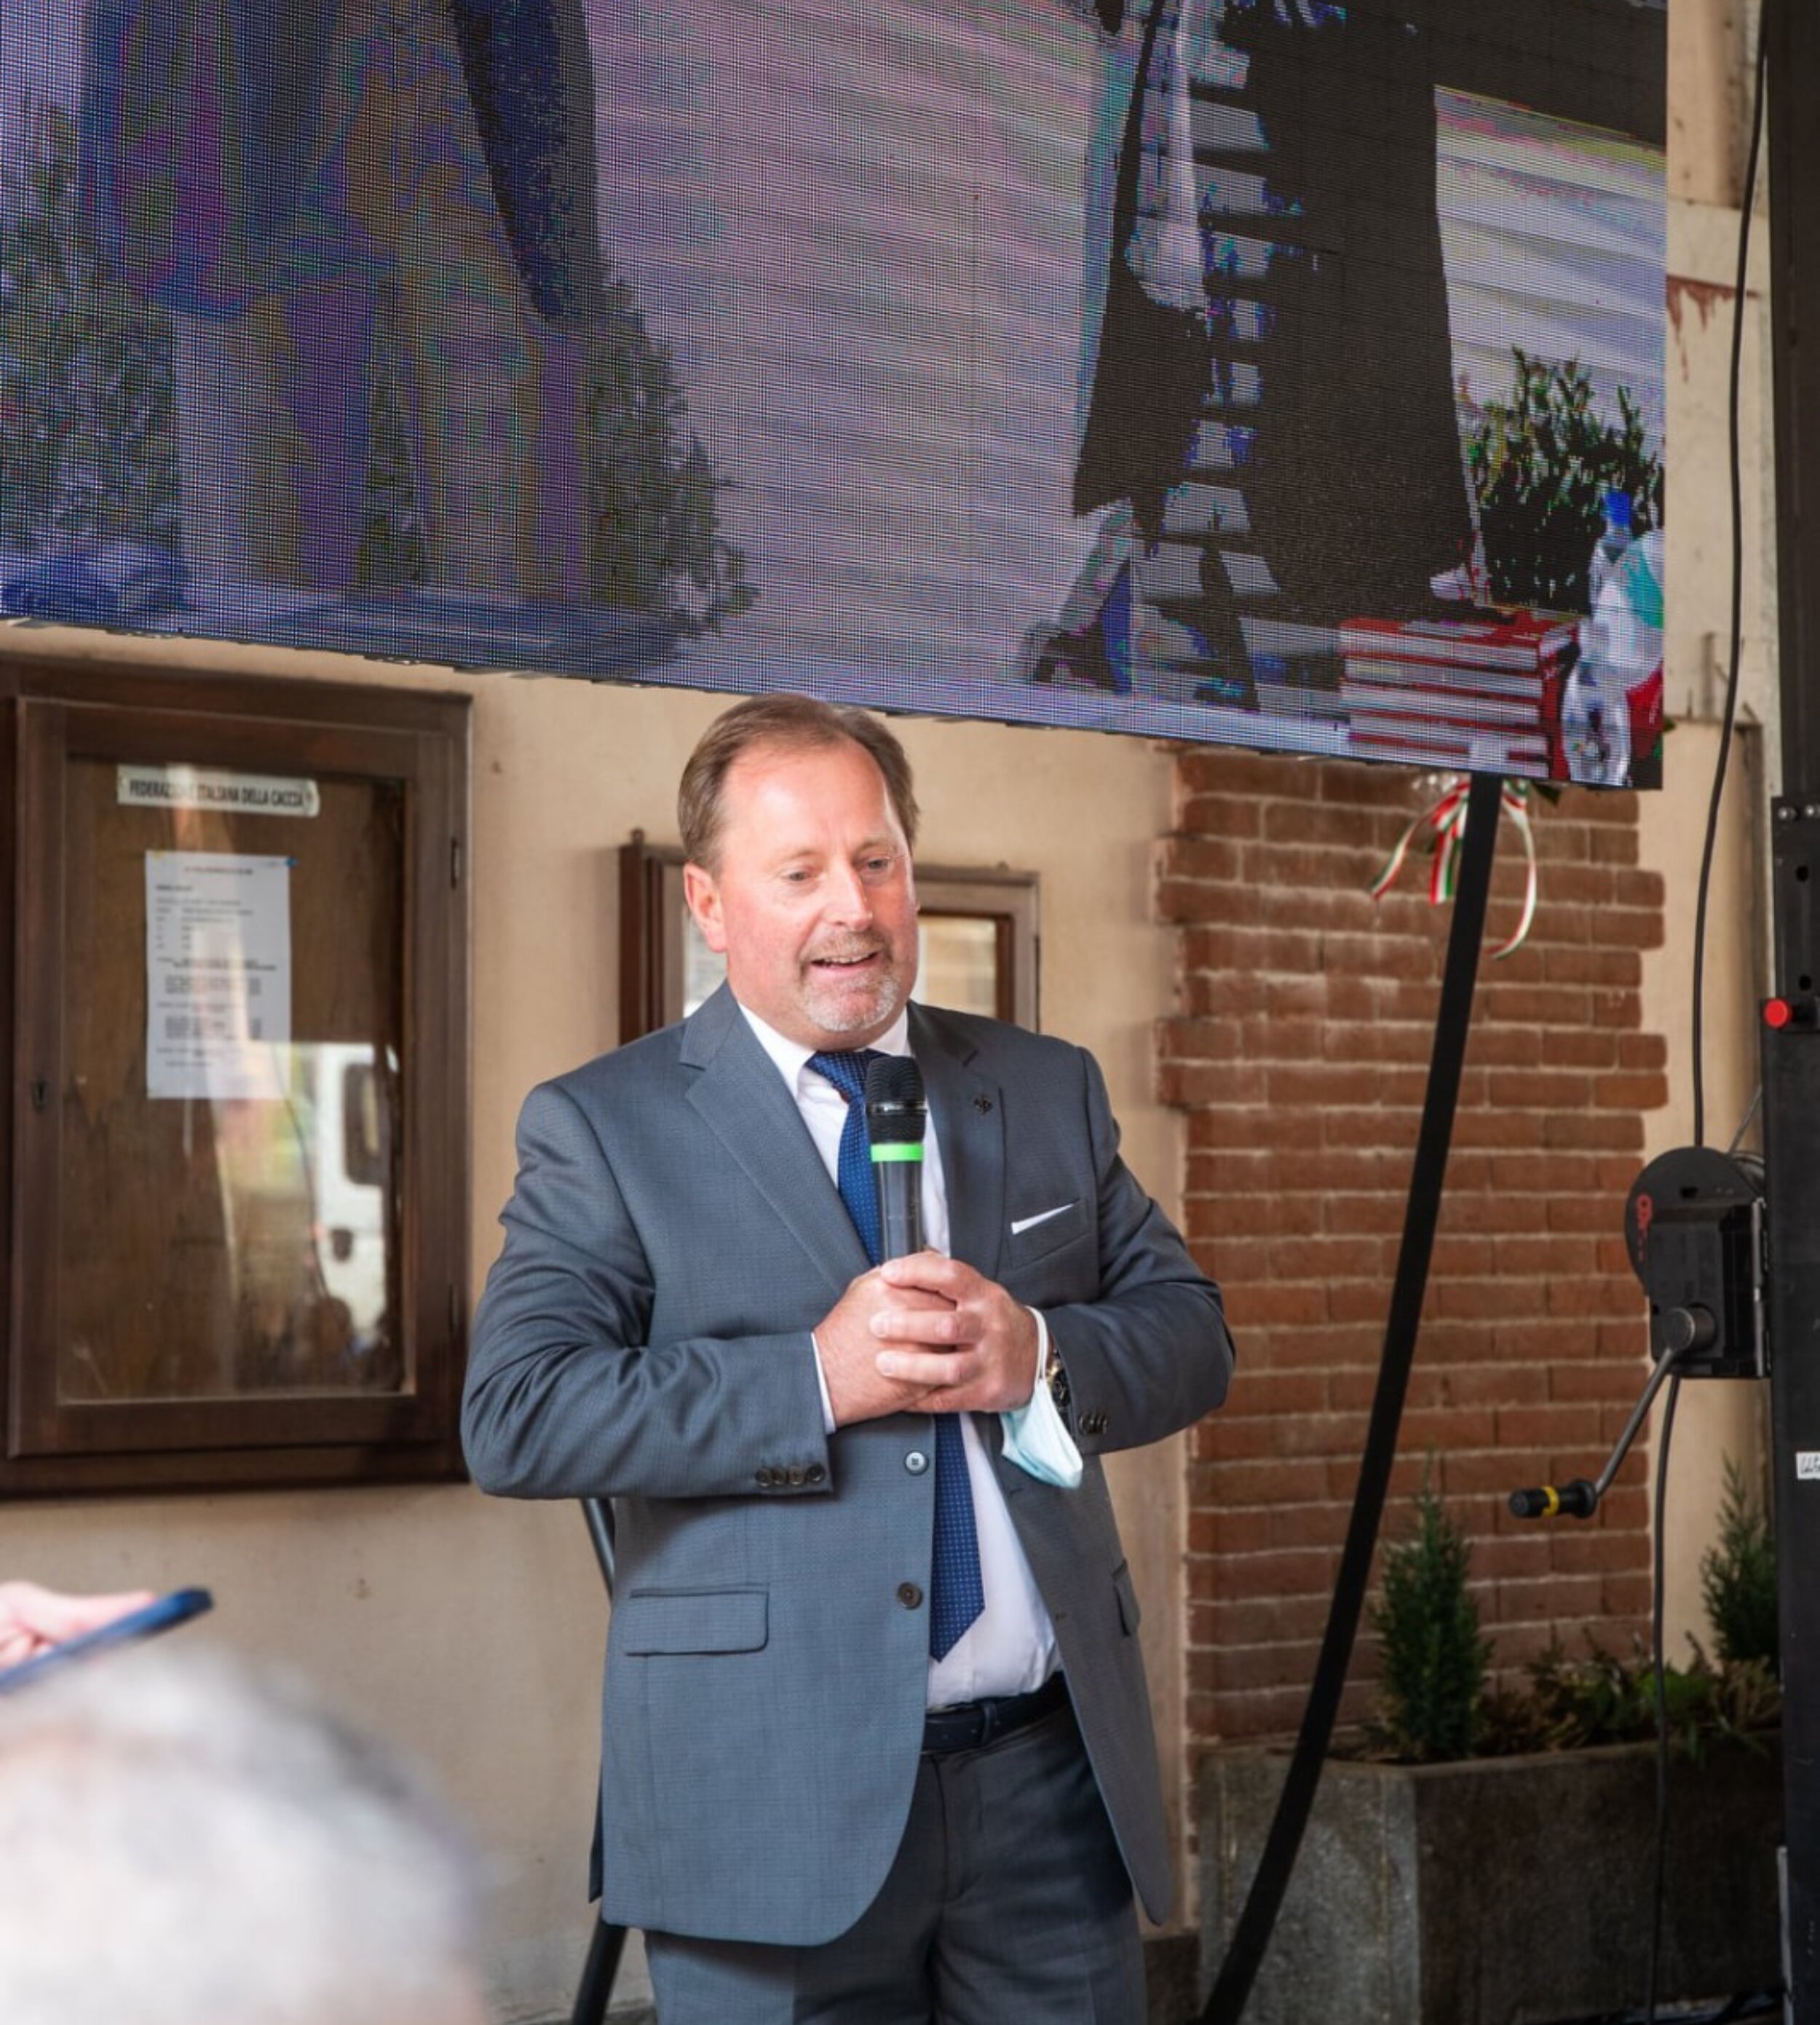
346, 1117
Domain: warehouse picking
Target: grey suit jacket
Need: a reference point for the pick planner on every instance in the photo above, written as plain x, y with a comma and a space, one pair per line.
672, 1239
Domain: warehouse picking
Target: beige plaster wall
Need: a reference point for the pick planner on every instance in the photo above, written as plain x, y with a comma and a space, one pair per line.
1710, 55
468, 1629
1715, 1418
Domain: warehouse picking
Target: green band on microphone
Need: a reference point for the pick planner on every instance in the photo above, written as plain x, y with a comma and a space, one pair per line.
910, 1149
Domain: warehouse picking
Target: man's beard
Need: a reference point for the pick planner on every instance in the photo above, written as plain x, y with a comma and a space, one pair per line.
845, 1014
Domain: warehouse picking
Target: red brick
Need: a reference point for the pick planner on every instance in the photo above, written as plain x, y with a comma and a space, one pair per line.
1297, 823
1517, 1644
1643, 1051
1561, 1424
1613, 846
1547, 1252
1359, 1301
1499, 1385
1254, 1620
1542, 1089
1213, 1532
1264, 1037
1596, 1549
1592, 1048
1218, 815
1235, 1438
1323, 1084
1242, 1484
1308, 1526
1367, 1126
1625, 1508
1449, 1430
1210, 770
1190, 856
1560, 840
1602, 1131
1602, 1383
1550, 1595
1275, 1304
1208, 1086
1520, 1339
1631, 928
1621, 1595
1481, 1481
1481, 1300
1274, 1666
1584, 1210
1333, 1170
1257, 1126
1326, 1348
1639, 1092
1477, 1216
1503, 1047
1291, 1571
1616, 1008
1510, 1557
1199, 1039
1235, 991
1250, 1717
1599, 964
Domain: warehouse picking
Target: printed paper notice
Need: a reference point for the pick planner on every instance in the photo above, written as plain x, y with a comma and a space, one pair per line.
217, 974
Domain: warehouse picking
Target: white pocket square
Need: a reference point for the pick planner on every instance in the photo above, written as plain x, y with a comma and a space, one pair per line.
1030, 1223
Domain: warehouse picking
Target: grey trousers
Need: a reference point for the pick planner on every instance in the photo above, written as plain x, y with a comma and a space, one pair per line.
1007, 1904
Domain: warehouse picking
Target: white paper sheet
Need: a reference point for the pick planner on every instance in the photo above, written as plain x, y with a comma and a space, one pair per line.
217, 974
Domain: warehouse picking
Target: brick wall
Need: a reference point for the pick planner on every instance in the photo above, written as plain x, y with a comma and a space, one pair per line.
1300, 1054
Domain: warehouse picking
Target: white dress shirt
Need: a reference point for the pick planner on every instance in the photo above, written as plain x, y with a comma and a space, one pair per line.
1010, 1647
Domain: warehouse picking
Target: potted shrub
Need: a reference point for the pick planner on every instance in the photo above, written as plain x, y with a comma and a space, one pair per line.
1487, 1860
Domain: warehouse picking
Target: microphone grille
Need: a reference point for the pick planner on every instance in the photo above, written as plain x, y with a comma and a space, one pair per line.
896, 1111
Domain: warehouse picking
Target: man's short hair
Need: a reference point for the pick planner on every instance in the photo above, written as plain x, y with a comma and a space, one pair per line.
782, 723
186, 1846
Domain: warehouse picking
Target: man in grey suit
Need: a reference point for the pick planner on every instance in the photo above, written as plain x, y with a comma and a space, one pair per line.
878, 1746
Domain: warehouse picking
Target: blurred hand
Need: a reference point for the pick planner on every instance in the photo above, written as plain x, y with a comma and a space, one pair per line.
33, 1619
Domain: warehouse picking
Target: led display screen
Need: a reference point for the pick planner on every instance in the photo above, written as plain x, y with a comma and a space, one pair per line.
1267, 371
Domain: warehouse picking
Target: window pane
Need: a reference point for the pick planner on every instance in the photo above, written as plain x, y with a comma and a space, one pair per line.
231, 1093
961, 963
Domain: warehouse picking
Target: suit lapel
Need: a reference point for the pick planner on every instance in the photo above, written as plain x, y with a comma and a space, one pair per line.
966, 1109
744, 1101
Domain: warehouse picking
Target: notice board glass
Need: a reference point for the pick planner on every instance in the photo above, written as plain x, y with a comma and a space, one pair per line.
240, 1151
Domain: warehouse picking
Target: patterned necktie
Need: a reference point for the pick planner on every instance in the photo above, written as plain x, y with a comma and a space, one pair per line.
957, 1590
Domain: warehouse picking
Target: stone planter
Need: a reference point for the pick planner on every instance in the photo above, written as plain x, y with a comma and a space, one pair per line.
1500, 1891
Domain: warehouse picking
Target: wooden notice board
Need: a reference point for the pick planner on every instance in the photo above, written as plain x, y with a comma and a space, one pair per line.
240, 1145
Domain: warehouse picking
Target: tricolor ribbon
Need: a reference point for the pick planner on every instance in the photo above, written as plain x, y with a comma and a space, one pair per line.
1445, 821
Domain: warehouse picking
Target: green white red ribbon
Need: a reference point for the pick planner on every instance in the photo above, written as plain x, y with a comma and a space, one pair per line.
1445, 823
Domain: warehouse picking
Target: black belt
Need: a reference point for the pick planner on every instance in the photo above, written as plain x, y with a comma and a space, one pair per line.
972, 1725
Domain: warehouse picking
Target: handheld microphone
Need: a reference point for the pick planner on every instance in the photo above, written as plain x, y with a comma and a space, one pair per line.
897, 1118
1578, 1499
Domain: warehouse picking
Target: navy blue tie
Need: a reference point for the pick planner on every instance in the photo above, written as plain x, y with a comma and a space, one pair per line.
957, 1590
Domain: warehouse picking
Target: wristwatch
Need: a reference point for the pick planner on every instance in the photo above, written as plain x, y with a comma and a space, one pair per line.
1055, 1377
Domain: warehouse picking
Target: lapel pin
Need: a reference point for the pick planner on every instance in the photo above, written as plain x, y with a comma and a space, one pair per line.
983, 1105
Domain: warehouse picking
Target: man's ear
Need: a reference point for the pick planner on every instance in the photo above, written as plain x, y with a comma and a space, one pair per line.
704, 897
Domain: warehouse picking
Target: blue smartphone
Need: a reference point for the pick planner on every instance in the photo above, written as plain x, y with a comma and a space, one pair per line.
178, 1607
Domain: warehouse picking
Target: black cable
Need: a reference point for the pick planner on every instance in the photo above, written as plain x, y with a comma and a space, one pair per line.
1453, 1019
1661, 1686
1737, 633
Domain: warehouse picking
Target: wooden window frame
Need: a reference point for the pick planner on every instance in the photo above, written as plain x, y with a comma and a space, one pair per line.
52, 714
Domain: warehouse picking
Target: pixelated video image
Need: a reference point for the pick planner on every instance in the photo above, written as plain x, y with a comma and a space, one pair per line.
1268, 372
